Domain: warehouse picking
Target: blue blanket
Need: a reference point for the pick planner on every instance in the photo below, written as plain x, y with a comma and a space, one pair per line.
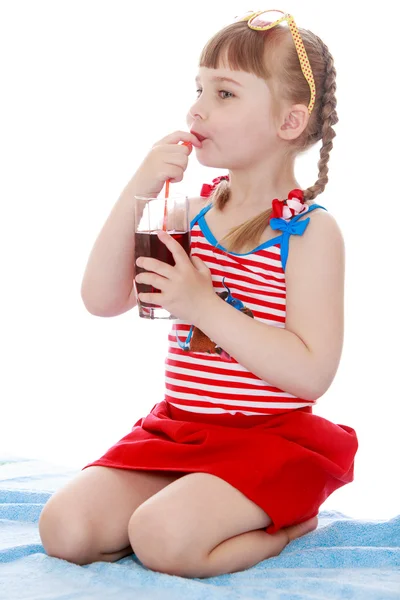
342, 558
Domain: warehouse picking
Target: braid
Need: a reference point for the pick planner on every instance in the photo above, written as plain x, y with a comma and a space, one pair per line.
221, 195
328, 117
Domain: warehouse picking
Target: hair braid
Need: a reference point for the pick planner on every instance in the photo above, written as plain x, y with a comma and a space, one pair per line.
328, 118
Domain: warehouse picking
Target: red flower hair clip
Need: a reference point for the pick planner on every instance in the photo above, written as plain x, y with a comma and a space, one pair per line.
208, 189
286, 209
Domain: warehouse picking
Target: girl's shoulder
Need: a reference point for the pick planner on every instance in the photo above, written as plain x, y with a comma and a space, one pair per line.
309, 231
319, 218
318, 211
322, 230
196, 205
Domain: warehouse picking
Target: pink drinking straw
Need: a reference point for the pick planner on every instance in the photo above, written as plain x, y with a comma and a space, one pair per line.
189, 145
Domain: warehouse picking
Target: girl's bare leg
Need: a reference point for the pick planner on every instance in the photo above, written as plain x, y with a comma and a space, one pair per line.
87, 520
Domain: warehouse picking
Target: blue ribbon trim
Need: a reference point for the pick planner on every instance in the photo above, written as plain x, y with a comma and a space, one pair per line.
290, 227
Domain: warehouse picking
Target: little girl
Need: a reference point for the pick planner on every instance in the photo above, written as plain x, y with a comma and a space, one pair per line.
232, 464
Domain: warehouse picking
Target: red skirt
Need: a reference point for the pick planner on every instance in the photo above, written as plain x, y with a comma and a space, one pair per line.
288, 464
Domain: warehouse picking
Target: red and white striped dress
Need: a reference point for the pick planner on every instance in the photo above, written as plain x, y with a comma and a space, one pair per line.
207, 383
219, 418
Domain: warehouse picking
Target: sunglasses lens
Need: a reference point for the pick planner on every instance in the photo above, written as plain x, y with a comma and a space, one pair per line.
267, 18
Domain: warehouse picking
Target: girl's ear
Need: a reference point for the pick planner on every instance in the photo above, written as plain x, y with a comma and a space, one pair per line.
294, 122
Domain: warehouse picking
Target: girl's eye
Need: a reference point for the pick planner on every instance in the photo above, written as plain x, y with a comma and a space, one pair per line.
225, 92
198, 91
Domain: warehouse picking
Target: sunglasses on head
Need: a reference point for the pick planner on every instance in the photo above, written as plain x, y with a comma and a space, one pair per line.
263, 20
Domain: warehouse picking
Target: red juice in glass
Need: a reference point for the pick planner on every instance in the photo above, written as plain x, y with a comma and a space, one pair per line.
149, 218
149, 244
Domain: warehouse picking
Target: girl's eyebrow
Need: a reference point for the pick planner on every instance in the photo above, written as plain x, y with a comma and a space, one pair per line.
218, 78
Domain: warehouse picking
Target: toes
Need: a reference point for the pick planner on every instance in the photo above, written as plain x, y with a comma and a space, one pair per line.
296, 531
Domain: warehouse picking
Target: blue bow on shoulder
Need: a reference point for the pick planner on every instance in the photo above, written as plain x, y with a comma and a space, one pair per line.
290, 227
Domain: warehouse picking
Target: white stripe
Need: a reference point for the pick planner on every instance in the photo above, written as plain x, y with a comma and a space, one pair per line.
264, 298
254, 261
261, 290
206, 375
251, 272
260, 287
257, 262
204, 387
195, 358
266, 311
270, 279
250, 295
263, 319
247, 403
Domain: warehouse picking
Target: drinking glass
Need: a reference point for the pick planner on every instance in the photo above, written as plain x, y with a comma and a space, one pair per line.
151, 215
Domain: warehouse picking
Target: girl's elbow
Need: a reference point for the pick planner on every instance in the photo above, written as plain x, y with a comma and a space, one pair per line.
319, 384
314, 394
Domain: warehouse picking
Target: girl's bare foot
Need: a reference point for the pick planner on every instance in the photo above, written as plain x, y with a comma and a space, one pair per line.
295, 531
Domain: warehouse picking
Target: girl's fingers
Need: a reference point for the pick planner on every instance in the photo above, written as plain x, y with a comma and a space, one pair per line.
173, 246
155, 266
181, 136
150, 298
189, 146
152, 279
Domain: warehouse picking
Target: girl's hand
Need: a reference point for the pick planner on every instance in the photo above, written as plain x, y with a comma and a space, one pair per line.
167, 159
186, 288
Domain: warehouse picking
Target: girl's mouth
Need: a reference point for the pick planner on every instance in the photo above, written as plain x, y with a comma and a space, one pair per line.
201, 138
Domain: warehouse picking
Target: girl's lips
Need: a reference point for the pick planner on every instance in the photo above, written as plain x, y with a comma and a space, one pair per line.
201, 138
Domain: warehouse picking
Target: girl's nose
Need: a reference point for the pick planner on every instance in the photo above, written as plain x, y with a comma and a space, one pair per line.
192, 117
195, 115
197, 110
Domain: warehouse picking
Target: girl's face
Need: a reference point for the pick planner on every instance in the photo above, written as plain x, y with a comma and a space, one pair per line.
233, 113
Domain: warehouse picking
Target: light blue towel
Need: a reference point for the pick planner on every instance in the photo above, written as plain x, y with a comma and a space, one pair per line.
343, 558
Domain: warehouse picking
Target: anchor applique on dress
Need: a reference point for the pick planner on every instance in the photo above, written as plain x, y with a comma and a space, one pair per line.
197, 341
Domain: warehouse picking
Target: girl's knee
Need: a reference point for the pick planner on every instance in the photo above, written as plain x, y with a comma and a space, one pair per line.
153, 541
65, 535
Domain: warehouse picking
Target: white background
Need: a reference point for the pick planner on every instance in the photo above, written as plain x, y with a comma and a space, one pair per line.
86, 89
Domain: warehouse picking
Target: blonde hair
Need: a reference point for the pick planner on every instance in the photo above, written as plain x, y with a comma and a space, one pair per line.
272, 56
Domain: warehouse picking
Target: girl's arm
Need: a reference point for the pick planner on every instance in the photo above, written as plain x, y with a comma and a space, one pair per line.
303, 358
107, 287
